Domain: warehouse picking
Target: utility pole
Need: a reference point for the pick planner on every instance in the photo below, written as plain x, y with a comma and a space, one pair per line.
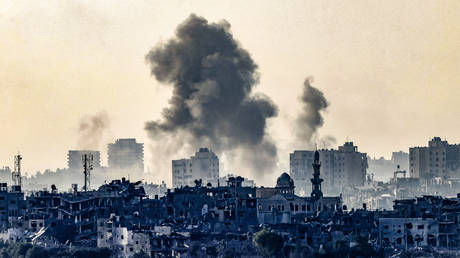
87, 160
16, 175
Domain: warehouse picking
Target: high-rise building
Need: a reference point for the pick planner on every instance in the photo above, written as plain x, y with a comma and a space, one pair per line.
343, 167
5, 174
334, 180
438, 159
353, 165
204, 165
126, 154
74, 159
301, 170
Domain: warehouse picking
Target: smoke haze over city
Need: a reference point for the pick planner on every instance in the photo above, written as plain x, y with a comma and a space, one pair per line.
229, 128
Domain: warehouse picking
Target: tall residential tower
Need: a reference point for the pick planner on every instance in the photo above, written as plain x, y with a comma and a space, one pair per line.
340, 168
204, 165
126, 154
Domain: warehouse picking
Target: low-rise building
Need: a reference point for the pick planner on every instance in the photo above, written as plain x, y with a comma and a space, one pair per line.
408, 232
125, 242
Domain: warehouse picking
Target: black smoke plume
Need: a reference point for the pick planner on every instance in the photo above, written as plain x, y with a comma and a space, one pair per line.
311, 118
212, 103
91, 130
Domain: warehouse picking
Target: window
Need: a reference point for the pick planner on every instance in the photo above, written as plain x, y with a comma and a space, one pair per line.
420, 226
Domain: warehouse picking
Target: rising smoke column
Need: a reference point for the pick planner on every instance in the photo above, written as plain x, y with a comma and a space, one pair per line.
91, 129
212, 103
311, 118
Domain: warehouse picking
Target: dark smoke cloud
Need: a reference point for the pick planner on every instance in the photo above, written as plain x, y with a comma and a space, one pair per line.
311, 118
327, 142
91, 130
212, 103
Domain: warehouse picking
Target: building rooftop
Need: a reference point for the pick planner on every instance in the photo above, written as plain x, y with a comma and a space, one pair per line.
284, 181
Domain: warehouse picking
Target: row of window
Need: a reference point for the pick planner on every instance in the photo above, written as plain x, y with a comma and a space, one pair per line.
420, 226
293, 207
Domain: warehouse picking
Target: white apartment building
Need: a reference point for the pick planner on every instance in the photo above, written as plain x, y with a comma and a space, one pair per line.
123, 242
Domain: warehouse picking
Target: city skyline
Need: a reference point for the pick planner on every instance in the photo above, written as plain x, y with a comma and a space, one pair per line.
229, 128
383, 84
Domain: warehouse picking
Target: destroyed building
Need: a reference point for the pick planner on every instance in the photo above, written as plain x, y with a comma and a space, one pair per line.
212, 220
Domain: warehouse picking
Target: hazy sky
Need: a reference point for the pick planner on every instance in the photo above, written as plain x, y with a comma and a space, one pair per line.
390, 69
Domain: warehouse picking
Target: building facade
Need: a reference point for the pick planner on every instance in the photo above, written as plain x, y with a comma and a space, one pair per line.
438, 160
352, 165
126, 154
301, 170
343, 167
12, 206
400, 158
404, 232
204, 165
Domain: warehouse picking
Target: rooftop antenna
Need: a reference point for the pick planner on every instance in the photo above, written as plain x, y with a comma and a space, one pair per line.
16, 175
87, 160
